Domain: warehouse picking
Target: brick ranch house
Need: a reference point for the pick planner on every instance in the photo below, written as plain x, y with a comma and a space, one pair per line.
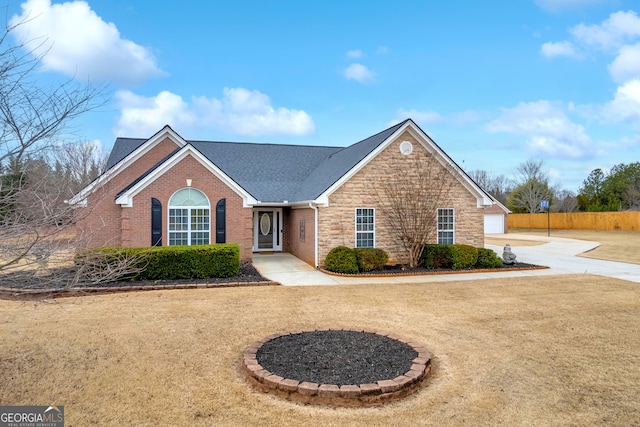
304, 200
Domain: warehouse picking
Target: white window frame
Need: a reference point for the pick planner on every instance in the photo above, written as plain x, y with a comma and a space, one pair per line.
440, 229
372, 229
189, 225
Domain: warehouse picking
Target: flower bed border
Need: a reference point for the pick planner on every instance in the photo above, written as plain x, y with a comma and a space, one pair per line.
434, 272
352, 395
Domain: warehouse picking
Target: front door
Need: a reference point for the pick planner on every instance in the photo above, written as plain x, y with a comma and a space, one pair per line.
267, 229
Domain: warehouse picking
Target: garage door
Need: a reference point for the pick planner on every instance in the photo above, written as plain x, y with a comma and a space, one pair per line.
493, 224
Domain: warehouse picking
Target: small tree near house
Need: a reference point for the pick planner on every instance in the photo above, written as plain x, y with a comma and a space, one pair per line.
410, 191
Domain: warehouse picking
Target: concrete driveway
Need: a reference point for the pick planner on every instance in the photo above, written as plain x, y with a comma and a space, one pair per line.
560, 255
557, 253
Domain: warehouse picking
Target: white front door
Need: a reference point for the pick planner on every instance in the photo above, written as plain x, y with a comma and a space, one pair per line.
267, 229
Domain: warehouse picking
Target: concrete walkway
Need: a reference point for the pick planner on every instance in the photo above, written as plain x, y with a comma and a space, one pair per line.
557, 253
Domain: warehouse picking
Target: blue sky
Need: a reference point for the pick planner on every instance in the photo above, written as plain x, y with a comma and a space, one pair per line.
493, 83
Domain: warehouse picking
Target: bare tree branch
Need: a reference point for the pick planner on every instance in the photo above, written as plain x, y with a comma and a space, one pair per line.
36, 225
410, 193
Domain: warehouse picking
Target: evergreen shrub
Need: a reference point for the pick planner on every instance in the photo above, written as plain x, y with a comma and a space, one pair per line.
171, 262
371, 259
487, 258
342, 259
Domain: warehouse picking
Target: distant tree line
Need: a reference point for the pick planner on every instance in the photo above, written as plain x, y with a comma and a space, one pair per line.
46, 179
616, 190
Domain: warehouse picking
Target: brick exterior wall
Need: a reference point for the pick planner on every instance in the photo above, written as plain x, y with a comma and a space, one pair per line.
99, 224
336, 223
111, 224
303, 249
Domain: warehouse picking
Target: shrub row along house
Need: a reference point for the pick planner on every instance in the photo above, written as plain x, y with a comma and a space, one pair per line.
304, 200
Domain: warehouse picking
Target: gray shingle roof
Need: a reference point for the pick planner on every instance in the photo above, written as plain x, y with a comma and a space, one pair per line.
273, 172
339, 163
122, 148
269, 172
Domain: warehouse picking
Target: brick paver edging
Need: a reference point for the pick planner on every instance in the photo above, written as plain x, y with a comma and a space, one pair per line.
28, 294
434, 273
353, 395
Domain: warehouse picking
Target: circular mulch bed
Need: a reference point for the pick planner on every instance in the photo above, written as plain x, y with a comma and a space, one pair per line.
337, 367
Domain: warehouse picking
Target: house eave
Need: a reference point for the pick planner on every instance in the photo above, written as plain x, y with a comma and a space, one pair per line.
165, 132
126, 198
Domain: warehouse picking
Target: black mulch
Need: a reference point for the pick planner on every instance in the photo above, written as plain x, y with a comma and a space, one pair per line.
403, 269
58, 278
336, 357
27, 280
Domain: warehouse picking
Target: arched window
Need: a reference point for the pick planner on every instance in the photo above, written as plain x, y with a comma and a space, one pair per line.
189, 218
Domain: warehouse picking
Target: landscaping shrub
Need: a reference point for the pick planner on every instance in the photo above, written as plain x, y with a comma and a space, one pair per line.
455, 256
437, 256
464, 256
487, 258
172, 262
371, 259
192, 262
342, 259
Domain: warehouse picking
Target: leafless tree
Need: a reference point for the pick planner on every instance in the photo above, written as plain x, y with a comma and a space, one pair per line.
410, 192
633, 196
499, 186
78, 163
533, 187
34, 118
533, 170
527, 196
565, 201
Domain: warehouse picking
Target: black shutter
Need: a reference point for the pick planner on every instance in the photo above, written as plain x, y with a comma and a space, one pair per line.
156, 222
221, 221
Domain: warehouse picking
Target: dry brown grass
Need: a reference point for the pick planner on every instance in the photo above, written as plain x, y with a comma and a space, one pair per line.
559, 350
514, 242
622, 246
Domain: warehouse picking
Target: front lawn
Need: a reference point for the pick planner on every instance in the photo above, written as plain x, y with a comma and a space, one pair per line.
552, 350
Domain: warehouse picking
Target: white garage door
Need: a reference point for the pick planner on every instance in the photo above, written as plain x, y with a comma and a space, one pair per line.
493, 224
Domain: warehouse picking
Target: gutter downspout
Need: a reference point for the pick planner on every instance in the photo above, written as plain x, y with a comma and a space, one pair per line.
315, 229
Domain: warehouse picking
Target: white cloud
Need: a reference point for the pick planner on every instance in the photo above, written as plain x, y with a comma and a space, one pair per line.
356, 53
78, 43
382, 50
548, 130
240, 111
142, 116
625, 106
617, 35
626, 66
359, 73
565, 48
560, 5
611, 34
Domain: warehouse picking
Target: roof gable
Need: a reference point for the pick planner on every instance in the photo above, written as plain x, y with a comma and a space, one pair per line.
390, 135
125, 197
124, 153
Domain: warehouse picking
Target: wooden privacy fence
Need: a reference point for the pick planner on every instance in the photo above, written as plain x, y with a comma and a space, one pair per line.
629, 221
